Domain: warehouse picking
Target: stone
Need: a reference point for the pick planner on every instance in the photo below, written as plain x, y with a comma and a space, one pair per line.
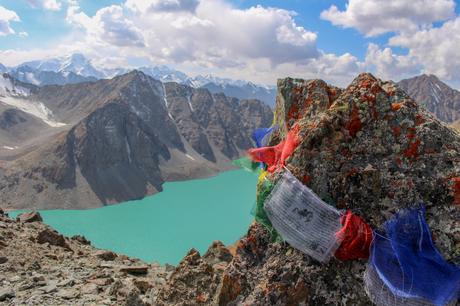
105, 255
217, 252
89, 288
66, 282
15, 279
68, 294
101, 281
115, 288
51, 287
53, 238
143, 284
33, 216
133, 298
81, 239
135, 269
6, 293
3, 259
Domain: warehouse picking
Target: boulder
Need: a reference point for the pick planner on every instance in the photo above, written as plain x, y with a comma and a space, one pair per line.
33, 216
135, 269
81, 239
6, 293
53, 238
105, 255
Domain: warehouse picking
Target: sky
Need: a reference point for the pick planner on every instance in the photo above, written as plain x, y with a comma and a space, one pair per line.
259, 41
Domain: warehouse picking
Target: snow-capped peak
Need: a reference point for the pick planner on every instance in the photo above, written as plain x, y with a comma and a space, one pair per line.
76, 63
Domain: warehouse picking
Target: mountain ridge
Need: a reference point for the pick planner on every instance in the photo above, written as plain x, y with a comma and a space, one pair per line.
120, 139
76, 68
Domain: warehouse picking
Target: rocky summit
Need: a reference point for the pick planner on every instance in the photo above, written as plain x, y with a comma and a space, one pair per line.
369, 148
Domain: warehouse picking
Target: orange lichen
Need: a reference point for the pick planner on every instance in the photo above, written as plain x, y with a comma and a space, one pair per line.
396, 131
354, 125
396, 106
306, 179
456, 189
365, 84
412, 150
419, 119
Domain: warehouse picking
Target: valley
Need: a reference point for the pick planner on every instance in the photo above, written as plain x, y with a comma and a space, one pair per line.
96, 143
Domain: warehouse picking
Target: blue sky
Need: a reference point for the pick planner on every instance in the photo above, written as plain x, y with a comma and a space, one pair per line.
317, 40
47, 27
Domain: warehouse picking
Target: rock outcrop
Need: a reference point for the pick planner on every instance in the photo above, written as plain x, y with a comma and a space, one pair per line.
369, 148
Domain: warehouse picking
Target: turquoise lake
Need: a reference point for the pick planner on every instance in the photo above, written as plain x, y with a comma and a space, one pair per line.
165, 226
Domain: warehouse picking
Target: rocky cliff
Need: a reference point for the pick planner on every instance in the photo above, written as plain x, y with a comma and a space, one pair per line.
438, 97
92, 144
369, 148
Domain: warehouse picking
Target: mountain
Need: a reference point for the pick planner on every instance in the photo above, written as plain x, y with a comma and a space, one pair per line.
231, 88
76, 68
245, 90
438, 98
370, 149
76, 63
113, 140
42, 77
166, 74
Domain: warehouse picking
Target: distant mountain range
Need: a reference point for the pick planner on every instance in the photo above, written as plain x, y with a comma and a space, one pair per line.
76, 68
436, 96
111, 140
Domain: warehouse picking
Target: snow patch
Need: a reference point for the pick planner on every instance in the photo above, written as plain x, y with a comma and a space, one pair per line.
10, 148
166, 100
189, 97
7, 88
189, 157
128, 149
34, 108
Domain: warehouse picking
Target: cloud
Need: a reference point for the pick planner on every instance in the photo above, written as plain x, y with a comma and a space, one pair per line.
436, 48
7, 16
387, 65
23, 34
375, 17
108, 26
162, 5
50, 5
209, 33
